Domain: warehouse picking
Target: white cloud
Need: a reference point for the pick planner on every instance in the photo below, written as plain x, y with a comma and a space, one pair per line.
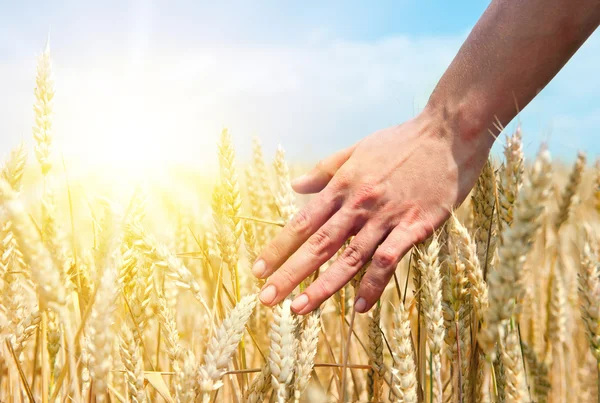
312, 99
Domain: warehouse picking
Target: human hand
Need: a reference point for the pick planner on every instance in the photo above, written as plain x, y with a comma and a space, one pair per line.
390, 190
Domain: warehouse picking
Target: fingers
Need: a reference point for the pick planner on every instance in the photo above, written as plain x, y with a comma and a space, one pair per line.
294, 234
382, 268
312, 254
321, 174
352, 259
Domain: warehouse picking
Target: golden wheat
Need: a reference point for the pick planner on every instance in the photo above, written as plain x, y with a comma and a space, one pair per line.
143, 296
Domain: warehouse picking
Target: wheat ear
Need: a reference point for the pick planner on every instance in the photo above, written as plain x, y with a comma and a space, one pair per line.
513, 367
260, 386
467, 253
284, 195
43, 109
568, 194
404, 373
11, 258
161, 257
307, 350
12, 171
134, 366
49, 286
597, 187
99, 333
506, 282
484, 219
283, 350
538, 372
375, 352
431, 299
229, 183
589, 296
511, 176
223, 344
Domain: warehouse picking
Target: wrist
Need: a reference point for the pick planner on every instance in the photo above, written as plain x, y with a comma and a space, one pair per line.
460, 120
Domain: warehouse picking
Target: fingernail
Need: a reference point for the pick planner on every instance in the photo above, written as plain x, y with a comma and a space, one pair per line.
360, 305
268, 294
259, 268
299, 180
299, 303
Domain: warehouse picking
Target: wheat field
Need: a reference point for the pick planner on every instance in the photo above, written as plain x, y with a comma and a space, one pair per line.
145, 294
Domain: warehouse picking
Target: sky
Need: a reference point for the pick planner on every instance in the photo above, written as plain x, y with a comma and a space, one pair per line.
154, 82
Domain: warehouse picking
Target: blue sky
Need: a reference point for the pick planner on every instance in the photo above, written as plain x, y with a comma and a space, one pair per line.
156, 80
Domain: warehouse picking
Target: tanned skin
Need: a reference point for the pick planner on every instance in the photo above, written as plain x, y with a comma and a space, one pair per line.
392, 189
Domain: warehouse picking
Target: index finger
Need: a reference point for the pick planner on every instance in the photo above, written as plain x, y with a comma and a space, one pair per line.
305, 223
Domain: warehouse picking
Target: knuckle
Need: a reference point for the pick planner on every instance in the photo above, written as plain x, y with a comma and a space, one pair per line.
420, 233
384, 258
352, 256
286, 277
300, 222
323, 288
319, 243
373, 284
365, 195
342, 180
273, 251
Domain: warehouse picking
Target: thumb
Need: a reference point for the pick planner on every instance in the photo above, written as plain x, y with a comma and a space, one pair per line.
321, 174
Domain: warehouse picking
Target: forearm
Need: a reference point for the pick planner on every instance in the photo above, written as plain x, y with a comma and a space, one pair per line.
514, 50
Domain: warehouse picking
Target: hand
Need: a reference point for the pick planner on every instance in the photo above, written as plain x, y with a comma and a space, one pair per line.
390, 190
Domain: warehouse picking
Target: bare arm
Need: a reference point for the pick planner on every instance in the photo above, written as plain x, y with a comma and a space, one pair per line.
391, 189
515, 49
